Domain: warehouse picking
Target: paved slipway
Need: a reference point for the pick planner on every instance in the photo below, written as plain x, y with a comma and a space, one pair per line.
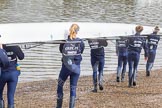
42, 94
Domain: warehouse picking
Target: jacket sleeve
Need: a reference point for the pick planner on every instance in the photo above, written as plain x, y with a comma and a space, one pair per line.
116, 46
4, 62
61, 47
82, 46
159, 38
103, 42
145, 47
19, 53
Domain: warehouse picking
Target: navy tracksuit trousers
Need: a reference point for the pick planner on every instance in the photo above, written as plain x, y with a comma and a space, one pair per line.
74, 76
133, 60
10, 78
97, 66
150, 61
122, 63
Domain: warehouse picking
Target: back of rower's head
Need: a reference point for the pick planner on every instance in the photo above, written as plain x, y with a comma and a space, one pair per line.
156, 29
73, 31
139, 28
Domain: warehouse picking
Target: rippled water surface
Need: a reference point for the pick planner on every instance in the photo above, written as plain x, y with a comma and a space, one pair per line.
147, 12
43, 62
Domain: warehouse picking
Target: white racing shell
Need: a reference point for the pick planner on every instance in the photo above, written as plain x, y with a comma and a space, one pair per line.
41, 32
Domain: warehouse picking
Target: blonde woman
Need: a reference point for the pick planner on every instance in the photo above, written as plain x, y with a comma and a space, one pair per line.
71, 58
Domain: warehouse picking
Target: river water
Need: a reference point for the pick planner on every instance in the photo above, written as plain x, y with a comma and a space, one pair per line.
43, 62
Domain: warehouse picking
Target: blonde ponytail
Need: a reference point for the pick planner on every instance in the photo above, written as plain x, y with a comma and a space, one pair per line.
73, 31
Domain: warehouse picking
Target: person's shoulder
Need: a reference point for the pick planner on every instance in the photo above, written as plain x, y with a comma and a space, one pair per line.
154, 36
158, 36
2, 50
78, 39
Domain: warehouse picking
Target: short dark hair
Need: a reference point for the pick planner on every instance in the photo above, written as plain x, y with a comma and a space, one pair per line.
156, 28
